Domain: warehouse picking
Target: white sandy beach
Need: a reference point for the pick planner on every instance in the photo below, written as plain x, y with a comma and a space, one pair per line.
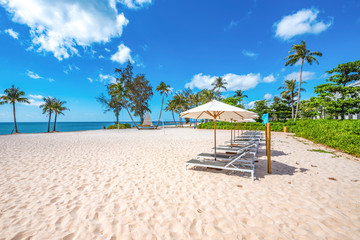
131, 184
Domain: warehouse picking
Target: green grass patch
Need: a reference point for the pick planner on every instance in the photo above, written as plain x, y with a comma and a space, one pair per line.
121, 126
319, 151
343, 135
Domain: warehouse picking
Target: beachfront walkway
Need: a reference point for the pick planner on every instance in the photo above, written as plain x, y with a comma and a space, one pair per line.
131, 184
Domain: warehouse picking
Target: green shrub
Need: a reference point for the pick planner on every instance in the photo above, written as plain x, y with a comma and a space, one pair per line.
339, 134
121, 126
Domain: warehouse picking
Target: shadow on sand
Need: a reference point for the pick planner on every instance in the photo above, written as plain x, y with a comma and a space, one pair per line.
277, 168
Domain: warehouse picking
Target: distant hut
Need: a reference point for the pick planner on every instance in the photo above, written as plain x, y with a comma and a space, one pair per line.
147, 121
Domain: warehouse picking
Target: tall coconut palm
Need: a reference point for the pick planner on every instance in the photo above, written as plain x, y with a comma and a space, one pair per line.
47, 107
240, 93
180, 104
164, 91
171, 107
195, 100
120, 92
219, 84
289, 87
11, 96
207, 95
299, 52
58, 109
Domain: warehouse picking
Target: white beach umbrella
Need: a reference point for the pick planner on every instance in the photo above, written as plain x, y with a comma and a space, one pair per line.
218, 111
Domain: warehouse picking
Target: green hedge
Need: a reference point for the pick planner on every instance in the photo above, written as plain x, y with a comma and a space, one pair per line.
343, 135
121, 126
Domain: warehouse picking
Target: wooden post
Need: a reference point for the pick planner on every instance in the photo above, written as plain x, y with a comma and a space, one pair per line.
268, 146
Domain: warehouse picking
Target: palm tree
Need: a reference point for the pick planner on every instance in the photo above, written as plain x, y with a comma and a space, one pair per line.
47, 107
11, 96
120, 92
164, 91
180, 104
299, 52
58, 108
219, 84
195, 100
207, 95
239, 93
289, 87
171, 107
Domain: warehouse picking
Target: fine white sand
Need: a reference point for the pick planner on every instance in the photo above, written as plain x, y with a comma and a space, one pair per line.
131, 184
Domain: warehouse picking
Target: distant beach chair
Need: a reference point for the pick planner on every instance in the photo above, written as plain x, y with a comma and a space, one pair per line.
147, 123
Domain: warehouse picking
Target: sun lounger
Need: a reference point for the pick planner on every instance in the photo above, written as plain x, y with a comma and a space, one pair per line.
232, 165
242, 157
253, 147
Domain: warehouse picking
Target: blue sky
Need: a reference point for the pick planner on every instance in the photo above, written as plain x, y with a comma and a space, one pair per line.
69, 49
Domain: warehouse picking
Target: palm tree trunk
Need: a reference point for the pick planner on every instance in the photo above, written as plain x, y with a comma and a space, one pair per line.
180, 120
162, 101
55, 121
298, 100
172, 111
130, 114
16, 130
49, 121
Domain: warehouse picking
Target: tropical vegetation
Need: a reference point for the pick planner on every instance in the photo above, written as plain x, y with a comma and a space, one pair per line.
343, 135
47, 108
164, 91
11, 96
299, 53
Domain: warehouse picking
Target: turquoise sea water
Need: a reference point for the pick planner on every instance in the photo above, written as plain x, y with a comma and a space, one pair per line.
38, 127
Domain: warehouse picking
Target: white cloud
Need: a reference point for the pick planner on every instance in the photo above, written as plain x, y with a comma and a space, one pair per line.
231, 25
101, 57
301, 22
122, 55
70, 68
106, 49
33, 75
144, 47
36, 96
325, 75
296, 75
107, 78
12, 33
60, 26
36, 76
250, 105
234, 81
139, 61
269, 79
134, 3
249, 53
267, 96
36, 103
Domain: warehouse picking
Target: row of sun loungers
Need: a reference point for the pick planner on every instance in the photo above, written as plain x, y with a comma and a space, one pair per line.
239, 155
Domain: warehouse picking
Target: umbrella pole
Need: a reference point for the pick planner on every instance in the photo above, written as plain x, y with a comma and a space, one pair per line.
238, 125
215, 136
